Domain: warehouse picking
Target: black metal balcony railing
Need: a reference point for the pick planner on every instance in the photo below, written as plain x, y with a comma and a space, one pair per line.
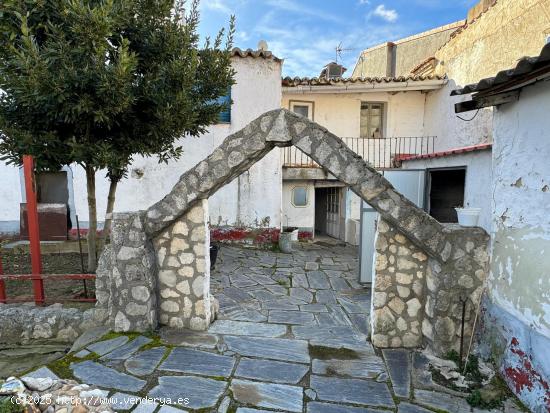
380, 153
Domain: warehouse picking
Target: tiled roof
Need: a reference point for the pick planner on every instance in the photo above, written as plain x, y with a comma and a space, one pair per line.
441, 154
526, 69
316, 81
264, 54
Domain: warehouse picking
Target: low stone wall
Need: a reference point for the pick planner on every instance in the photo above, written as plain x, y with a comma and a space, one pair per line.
417, 299
398, 291
183, 257
26, 323
126, 283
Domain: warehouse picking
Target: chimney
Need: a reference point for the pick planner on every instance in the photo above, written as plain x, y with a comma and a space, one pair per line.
332, 71
391, 49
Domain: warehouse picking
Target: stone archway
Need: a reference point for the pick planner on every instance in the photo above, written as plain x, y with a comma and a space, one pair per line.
156, 267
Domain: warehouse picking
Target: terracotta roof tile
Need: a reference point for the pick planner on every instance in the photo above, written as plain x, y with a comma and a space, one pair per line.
264, 54
316, 81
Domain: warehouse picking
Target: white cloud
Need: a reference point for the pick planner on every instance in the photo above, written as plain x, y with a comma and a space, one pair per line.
389, 15
216, 5
364, 1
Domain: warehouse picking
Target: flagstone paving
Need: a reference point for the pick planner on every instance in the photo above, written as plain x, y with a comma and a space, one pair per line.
291, 336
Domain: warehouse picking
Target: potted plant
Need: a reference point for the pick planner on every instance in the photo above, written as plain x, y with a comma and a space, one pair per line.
467, 216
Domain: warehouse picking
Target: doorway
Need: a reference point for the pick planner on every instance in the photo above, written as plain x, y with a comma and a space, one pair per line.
329, 214
445, 189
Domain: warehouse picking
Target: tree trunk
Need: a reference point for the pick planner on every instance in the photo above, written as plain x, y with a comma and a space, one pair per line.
108, 214
92, 219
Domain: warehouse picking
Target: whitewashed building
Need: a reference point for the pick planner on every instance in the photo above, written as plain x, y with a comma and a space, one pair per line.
252, 200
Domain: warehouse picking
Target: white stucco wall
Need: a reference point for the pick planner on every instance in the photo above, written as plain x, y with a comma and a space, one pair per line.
441, 120
253, 198
477, 187
340, 112
520, 270
293, 216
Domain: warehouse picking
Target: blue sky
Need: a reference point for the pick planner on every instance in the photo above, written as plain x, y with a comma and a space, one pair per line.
306, 32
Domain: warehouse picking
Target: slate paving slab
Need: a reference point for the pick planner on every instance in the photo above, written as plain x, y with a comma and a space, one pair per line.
271, 371
201, 392
369, 366
146, 407
317, 407
291, 317
93, 373
399, 368
123, 401
144, 362
186, 360
243, 314
269, 348
405, 407
89, 336
126, 350
104, 347
272, 396
246, 328
170, 409
318, 280
442, 401
353, 391
188, 338
42, 373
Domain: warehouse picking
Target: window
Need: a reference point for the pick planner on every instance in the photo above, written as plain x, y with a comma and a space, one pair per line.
304, 109
372, 120
225, 115
299, 196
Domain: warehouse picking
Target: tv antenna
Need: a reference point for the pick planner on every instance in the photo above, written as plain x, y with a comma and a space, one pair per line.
340, 49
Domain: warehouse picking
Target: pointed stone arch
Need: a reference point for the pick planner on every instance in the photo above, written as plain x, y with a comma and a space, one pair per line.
145, 242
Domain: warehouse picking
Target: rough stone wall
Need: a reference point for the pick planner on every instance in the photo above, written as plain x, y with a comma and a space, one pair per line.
399, 290
126, 284
456, 254
23, 324
183, 258
417, 299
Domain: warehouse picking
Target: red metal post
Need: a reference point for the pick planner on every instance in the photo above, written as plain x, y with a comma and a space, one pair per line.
34, 233
2, 284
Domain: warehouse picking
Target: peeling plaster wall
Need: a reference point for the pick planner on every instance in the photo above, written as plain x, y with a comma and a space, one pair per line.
478, 179
519, 283
252, 200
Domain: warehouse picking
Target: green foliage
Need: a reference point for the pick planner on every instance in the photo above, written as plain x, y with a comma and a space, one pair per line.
97, 81
7, 406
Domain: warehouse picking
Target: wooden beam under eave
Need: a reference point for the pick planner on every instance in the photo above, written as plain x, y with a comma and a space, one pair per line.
486, 101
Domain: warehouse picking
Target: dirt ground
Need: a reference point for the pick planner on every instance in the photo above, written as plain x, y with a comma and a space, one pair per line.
18, 262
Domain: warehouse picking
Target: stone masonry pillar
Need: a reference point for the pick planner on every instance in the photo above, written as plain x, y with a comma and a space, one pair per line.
183, 257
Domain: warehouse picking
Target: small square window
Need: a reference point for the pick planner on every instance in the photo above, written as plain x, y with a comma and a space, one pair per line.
302, 108
299, 196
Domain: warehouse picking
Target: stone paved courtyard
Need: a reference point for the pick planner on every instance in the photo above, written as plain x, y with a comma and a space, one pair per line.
291, 336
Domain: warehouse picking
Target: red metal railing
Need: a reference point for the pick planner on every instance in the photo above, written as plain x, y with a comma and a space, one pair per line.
380, 153
36, 276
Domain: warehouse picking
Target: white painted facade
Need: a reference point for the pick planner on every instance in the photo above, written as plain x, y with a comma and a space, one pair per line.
478, 179
520, 271
253, 199
340, 112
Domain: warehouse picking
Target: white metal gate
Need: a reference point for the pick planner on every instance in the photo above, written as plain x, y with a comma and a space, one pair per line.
410, 183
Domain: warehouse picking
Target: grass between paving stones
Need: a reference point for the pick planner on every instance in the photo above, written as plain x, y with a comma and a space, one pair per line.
62, 367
